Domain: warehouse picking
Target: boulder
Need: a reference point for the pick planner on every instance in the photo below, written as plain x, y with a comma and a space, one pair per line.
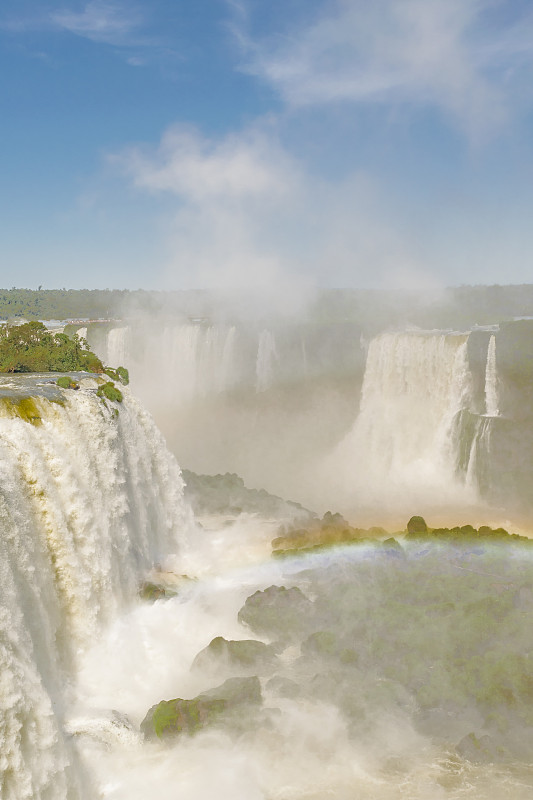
480, 749
171, 718
417, 526
276, 611
320, 644
245, 656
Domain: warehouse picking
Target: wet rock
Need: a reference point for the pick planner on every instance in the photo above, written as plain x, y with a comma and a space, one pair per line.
284, 687
245, 655
480, 750
321, 644
277, 611
393, 548
154, 591
417, 526
171, 718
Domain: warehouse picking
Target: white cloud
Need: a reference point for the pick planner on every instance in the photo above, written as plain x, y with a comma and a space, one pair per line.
101, 21
445, 53
247, 217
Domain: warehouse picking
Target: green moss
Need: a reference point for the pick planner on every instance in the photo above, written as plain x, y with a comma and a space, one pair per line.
174, 717
120, 374
24, 408
110, 391
152, 591
123, 375
64, 382
171, 717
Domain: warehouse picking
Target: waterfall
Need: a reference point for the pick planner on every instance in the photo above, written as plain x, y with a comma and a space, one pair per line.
403, 446
117, 347
491, 380
192, 360
89, 499
266, 358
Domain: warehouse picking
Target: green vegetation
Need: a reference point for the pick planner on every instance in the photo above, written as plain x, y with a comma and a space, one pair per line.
64, 382
24, 408
464, 534
370, 310
172, 717
110, 391
60, 303
31, 347
333, 530
120, 374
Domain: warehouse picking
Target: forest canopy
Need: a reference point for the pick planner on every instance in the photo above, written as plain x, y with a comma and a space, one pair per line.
31, 347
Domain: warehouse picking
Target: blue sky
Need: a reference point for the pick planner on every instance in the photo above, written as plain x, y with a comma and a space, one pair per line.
199, 143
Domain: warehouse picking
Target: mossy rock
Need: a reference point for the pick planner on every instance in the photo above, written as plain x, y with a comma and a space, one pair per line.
244, 655
119, 374
320, 643
417, 526
64, 382
481, 749
24, 408
170, 718
277, 610
153, 591
123, 375
284, 687
110, 391
393, 548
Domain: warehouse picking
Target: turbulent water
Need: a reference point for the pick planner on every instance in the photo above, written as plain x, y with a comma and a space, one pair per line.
395, 671
422, 437
491, 380
89, 499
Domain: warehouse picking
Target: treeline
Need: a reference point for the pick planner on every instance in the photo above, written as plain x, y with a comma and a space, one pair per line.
370, 310
108, 304
32, 348
60, 303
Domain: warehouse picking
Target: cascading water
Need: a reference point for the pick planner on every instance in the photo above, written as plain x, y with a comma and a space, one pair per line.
192, 360
266, 359
402, 446
89, 499
491, 380
117, 346
384, 670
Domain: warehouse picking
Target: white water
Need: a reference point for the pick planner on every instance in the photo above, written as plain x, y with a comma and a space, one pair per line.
401, 450
117, 347
306, 747
192, 361
88, 501
267, 356
491, 380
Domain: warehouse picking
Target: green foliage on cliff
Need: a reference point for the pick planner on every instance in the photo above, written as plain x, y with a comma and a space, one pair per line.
31, 347
120, 374
110, 391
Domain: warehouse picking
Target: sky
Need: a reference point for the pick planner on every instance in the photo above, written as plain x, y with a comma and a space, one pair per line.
178, 144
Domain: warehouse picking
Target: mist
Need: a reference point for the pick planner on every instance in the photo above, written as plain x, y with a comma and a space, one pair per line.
324, 406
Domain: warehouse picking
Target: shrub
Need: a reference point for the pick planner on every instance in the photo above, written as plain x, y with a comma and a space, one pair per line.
123, 375
64, 382
110, 391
